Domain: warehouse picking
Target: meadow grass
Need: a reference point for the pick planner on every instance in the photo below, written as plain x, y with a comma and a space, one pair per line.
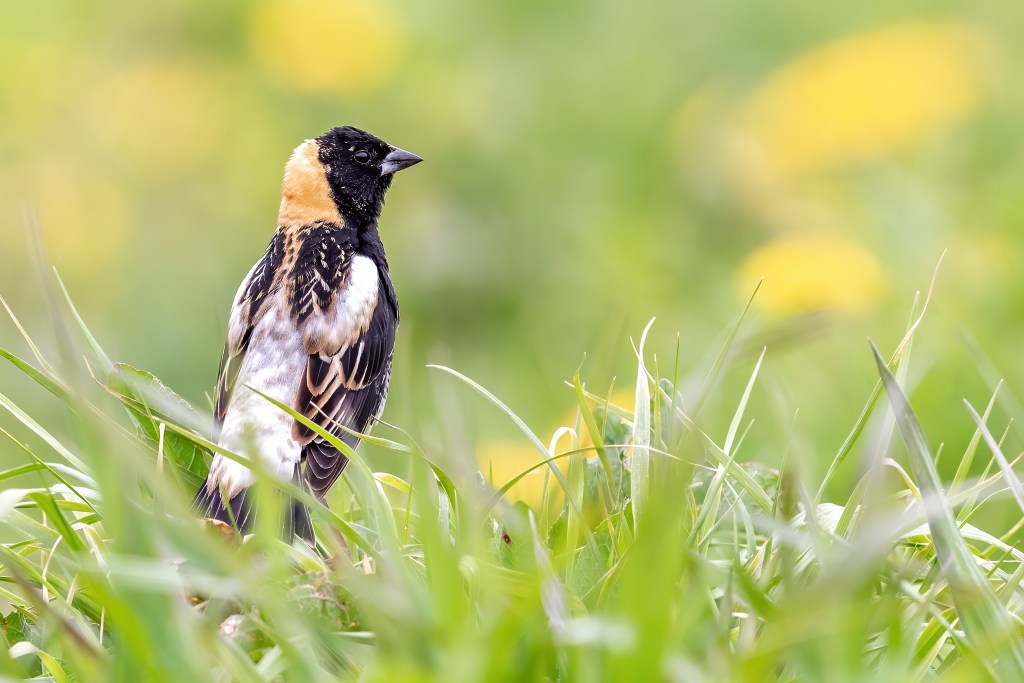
659, 552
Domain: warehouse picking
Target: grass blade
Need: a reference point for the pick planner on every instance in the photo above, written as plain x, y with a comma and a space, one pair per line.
988, 625
537, 443
640, 440
1016, 488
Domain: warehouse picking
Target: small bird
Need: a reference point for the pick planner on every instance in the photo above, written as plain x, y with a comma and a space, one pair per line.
312, 325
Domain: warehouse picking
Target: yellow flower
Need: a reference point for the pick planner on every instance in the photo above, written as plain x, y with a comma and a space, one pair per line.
862, 96
500, 461
812, 273
330, 46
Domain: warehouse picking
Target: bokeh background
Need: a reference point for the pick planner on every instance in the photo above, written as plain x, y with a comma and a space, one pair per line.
589, 165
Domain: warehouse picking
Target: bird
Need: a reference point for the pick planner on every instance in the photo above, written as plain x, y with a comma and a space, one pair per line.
313, 326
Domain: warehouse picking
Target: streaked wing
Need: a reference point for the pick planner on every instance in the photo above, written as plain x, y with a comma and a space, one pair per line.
347, 388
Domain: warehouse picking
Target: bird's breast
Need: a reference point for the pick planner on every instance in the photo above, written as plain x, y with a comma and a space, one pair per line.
274, 365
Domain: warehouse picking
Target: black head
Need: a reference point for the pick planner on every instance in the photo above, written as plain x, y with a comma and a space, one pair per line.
359, 170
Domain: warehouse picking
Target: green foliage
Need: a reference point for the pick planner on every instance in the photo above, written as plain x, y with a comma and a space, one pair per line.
704, 567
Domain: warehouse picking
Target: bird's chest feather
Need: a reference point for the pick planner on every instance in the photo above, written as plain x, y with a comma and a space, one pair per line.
341, 319
282, 340
311, 294
328, 291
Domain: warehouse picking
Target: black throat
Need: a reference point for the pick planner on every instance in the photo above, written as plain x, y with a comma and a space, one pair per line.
369, 245
360, 217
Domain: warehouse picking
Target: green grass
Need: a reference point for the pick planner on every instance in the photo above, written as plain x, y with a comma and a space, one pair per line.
667, 555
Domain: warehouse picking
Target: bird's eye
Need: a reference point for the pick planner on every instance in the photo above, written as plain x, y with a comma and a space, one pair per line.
361, 156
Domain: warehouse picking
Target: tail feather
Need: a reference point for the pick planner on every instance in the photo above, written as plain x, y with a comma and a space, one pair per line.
237, 513
297, 522
240, 511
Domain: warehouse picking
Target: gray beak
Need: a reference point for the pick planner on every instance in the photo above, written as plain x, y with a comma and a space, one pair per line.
397, 159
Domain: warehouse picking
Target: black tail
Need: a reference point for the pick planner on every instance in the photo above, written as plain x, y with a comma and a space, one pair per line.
240, 511
298, 523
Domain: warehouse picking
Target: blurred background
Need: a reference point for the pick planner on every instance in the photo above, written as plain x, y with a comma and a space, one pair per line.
589, 166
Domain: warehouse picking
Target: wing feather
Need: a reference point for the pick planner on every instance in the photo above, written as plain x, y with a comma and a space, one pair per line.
347, 389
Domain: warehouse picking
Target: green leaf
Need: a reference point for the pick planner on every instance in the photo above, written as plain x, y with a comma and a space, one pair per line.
151, 404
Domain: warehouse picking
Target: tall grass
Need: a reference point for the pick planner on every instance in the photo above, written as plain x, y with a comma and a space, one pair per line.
660, 553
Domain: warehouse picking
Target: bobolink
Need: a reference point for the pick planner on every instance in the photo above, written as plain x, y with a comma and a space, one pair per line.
312, 325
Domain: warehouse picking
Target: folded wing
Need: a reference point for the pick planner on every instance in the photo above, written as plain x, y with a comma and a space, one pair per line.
345, 389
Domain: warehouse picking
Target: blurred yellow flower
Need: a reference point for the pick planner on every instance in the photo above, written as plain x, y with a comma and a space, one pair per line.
331, 46
812, 273
83, 217
499, 461
862, 96
162, 115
